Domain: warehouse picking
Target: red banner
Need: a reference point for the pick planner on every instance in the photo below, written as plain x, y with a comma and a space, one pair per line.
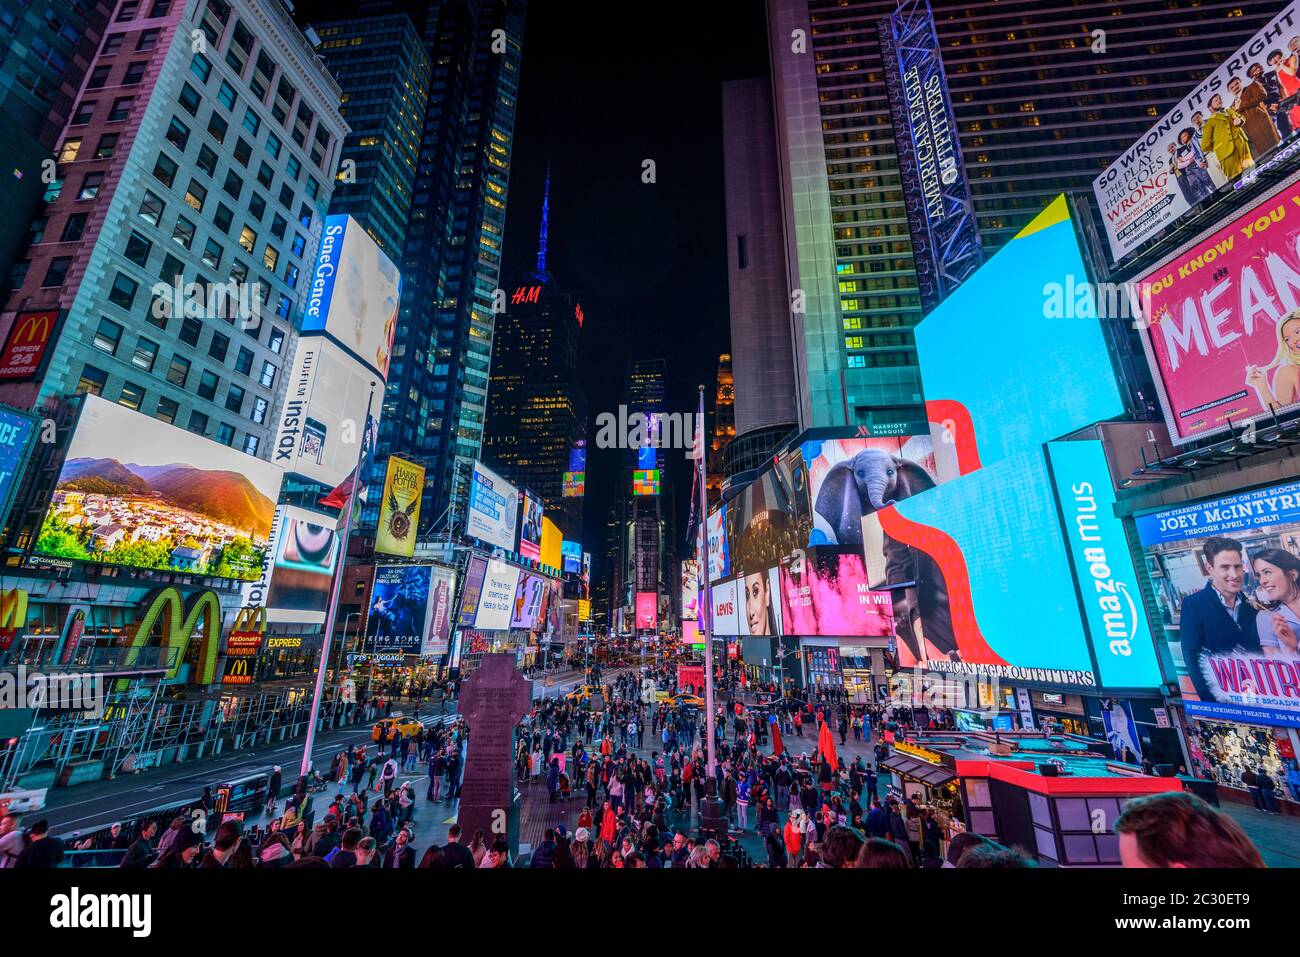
24, 348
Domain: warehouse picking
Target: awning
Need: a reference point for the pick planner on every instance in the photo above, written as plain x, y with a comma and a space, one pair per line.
918, 770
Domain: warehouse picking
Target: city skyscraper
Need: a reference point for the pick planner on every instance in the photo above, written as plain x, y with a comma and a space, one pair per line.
202, 159
385, 73
537, 407
724, 423
1038, 112
436, 402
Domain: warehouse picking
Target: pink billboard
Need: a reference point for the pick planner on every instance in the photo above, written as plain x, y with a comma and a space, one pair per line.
826, 593
1224, 333
647, 609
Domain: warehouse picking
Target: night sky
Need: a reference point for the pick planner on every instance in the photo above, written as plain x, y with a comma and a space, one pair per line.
599, 94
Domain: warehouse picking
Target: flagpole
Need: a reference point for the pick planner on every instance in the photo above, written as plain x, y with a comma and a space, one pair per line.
701, 476
331, 613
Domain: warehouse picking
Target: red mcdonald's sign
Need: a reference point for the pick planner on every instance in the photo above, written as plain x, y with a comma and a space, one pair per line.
29, 337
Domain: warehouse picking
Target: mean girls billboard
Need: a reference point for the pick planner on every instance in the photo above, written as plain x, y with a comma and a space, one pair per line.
1223, 337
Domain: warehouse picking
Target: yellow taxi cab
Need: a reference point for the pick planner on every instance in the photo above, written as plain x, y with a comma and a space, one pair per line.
663, 697
408, 727
690, 700
582, 693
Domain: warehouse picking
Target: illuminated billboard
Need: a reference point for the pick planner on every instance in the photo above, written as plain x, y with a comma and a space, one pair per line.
136, 491
647, 457
528, 603
645, 482
399, 508
769, 518
400, 612
719, 557
530, 527
725, 619
1247, 667
475, 573
824, 593
758, 602
572, 555
354, 293
575, 485
690, 589
306, 550
493, 508
17, 429
993, 394
1223, 131
551, 554
647, 609
496, 602
1223, 340
578, 459
442, 592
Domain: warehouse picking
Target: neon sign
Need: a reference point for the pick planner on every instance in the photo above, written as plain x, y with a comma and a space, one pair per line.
526, 294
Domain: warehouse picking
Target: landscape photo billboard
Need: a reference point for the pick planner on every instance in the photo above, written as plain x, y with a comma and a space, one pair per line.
399, 508
493, 510
825, 593
397, 619
1245, 669
497, 596
530, 527
1223, 337
647, 609
136, 491
354, 293
1229, 124
306, 550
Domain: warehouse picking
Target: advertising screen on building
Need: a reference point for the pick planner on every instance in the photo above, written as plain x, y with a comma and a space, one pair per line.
691, 635
354, 293
586, 574
17, 430
306, 549
496, 603
1224, 130
758, 602
529, 601
475, 573
400, 612
645, 482
719, 557
575, 485
1246, 546
399, 508
690, 589
989, 399
1223, 339
493, 508
530, 528
769, 518
136, 491
571, 552
825, 593
578, 459
442, 592
23, 353
726, 617
552, 544
647, 609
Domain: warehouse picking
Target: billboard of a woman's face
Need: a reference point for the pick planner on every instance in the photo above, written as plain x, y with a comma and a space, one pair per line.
758, 604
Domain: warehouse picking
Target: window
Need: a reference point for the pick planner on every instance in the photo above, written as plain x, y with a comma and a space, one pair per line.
122, 108
148, 39
257, 206
251, 122
90, 184
196, 195
71, 147
250, 443
198, 423
132, 396
73, 227
178, 373
291, 275
178, 134
107, 144
270, 256
265, 175
223, 219
18, 275
127, 10
36, 231
233, 185
212, 254
190, 100
299, 244
167, 410
164, 170
304, 216
244, 361
160, 310
282, 306
239, 271
84, 112
160, 8
226, 96
190, 330
184, 232
312, 188
108, 336
226, 434
201, 67
286, 196
278, 226
138, 248
57, 271
92, 380
267, 378
98, 77
219, 346
151, 207
275, 343
217, 127
134, 73
273, 146
293, 168
260, 408
171, 271
113, 44
146, 353
207, 160
208, 383
247, 238
243, 151
123, 292
235, 399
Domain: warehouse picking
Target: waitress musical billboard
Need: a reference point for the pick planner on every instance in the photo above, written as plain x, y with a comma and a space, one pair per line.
1223, 337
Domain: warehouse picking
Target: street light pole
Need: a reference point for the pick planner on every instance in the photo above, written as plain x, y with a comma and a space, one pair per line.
711, 816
